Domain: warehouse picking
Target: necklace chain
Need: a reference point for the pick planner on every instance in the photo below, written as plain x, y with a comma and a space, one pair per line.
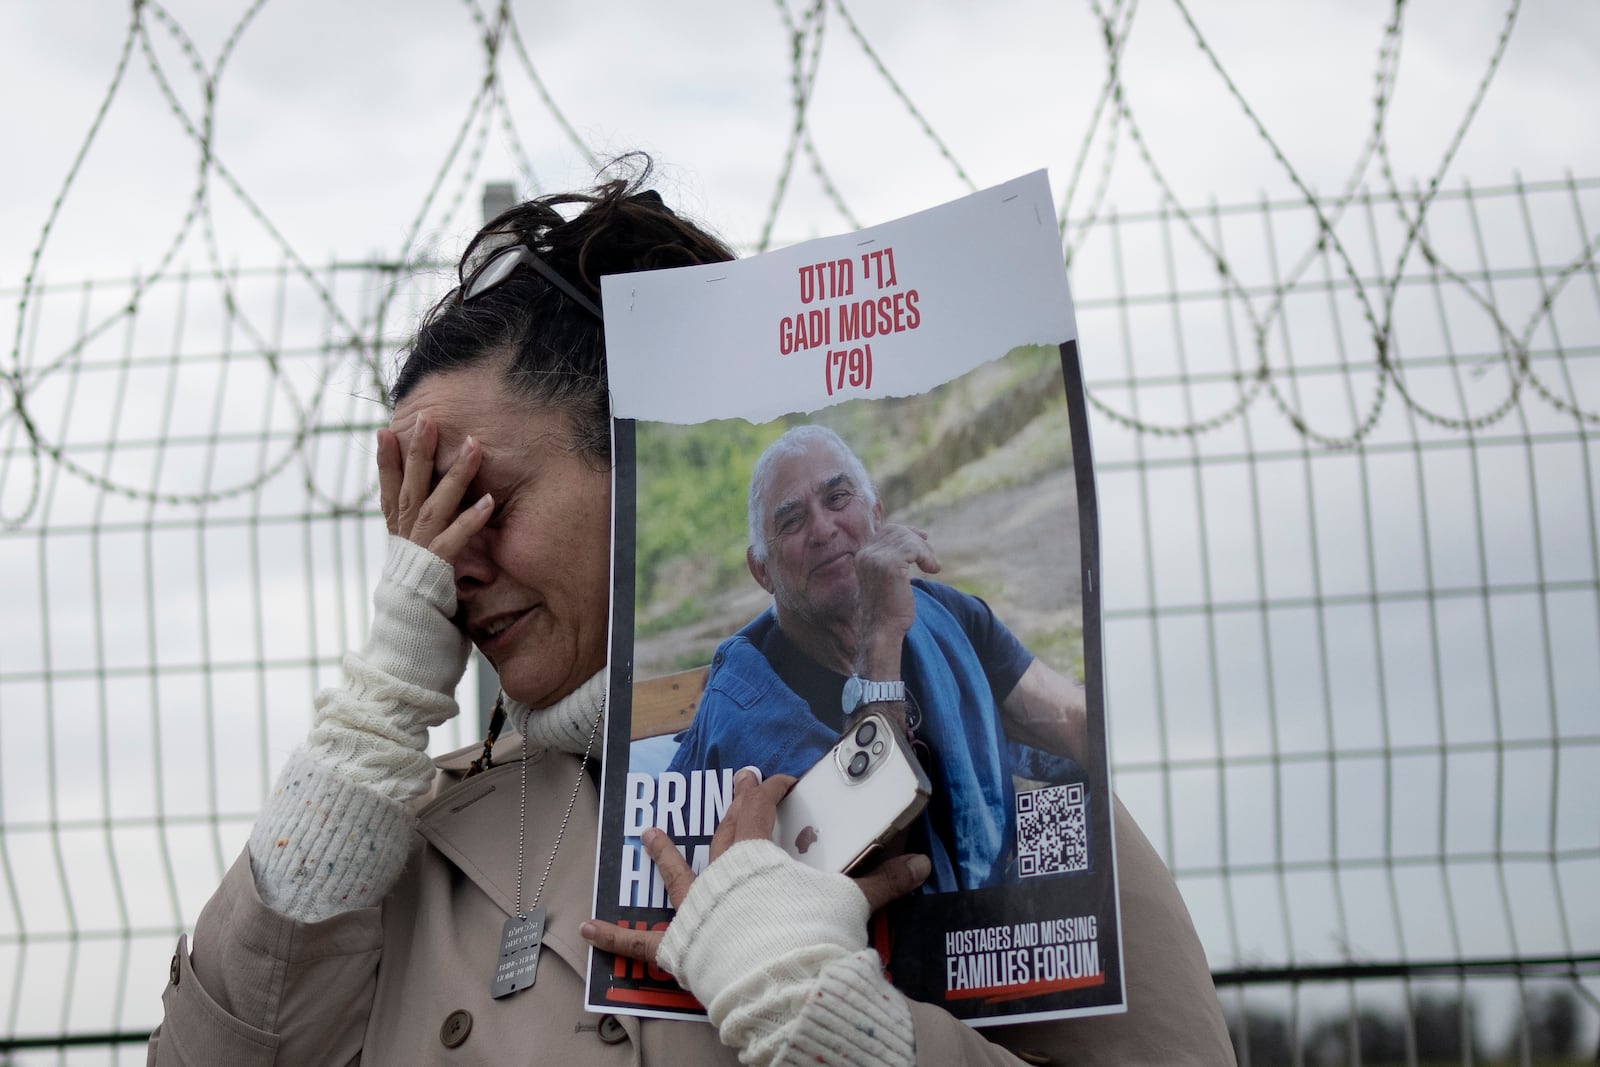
522, 815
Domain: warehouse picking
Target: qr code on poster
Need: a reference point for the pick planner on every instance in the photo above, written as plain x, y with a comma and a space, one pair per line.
1052, 830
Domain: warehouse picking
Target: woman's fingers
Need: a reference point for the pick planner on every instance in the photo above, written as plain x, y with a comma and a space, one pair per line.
675, 872
675, 875
634, 944
417, 476
417, 509
448, 545
893, 879
389, 475
442, 507
753, 805
753, 810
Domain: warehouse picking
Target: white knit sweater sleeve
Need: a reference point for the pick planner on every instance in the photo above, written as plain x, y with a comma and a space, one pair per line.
777, 952
335, 832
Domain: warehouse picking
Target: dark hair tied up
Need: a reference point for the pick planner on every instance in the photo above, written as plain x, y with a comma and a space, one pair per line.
552, 350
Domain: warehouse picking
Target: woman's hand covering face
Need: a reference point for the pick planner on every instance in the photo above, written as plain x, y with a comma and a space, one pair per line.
493, 483
419, 511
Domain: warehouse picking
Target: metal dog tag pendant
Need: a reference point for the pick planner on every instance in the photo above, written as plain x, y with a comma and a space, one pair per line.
518, 964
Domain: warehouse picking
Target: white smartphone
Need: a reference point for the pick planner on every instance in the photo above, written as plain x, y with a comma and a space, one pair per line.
866, 789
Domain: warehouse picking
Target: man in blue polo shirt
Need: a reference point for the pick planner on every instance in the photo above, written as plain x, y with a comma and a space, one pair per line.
850, 628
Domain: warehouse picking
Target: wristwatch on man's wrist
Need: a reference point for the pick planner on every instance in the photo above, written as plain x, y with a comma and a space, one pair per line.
858, 691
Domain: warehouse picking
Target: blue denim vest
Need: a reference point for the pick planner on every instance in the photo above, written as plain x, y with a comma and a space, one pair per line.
748, 716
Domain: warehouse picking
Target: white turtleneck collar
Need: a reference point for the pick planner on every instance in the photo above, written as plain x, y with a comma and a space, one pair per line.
566, 725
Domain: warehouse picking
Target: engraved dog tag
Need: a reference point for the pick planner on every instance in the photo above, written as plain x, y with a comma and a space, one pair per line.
518, 964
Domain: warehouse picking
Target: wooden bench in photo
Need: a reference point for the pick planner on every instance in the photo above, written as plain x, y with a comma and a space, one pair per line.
665, 704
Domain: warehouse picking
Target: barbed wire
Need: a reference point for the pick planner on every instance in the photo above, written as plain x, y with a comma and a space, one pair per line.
802, 79
1379, 318
358, 338
1114, 38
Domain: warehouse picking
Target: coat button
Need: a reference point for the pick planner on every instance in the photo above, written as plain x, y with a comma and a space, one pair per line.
611, 1031
175, 969
457, 1025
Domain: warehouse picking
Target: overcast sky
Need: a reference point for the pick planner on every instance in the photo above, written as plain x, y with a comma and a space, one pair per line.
335, 119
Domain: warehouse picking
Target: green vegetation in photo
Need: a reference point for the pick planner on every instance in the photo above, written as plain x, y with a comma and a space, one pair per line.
693, 484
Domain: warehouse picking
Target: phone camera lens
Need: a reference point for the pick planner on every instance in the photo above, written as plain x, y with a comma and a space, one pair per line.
858, 764
866, 732
877, 748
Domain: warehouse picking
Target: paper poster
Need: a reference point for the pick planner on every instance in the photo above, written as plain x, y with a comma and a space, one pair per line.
853, 479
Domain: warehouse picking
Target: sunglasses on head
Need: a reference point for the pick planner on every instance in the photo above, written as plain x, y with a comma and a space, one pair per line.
500, 266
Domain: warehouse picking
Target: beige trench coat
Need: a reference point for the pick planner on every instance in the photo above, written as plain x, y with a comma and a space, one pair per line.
408, 982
